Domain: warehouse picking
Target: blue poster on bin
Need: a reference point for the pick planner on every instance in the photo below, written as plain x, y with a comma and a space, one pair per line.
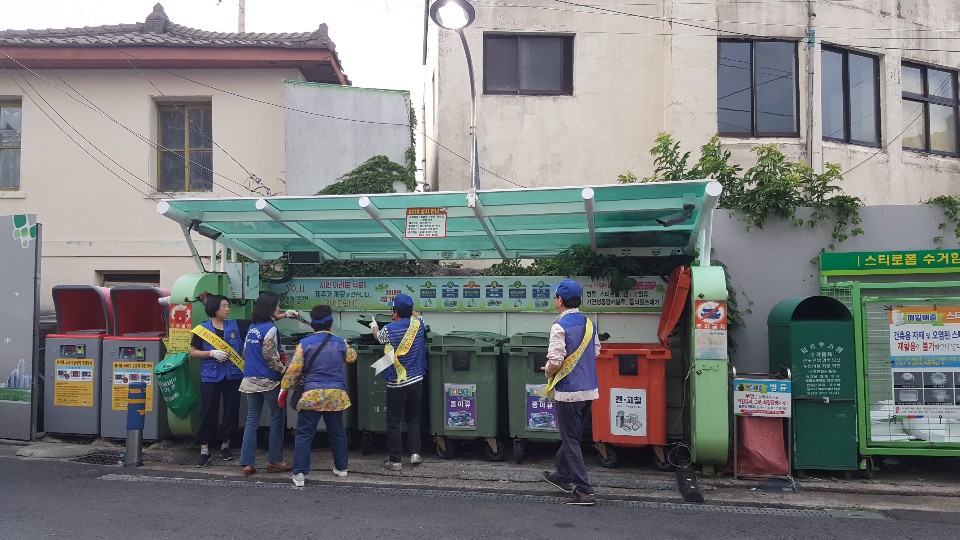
460, 406
541, 415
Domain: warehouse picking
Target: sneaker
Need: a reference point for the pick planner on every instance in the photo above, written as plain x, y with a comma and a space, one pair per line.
582, 499
298, 479
551, 478
415, 459
392, 465
204, 460
226, 454
339, 473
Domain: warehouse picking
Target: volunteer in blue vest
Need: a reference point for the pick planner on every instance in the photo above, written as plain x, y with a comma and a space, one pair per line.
262, 371
405, 339
218, 344
319, 361
571, 372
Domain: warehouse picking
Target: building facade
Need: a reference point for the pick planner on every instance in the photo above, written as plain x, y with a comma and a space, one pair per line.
98, 124
575, 93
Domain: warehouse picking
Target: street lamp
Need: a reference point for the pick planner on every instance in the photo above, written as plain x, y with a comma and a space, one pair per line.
456, 15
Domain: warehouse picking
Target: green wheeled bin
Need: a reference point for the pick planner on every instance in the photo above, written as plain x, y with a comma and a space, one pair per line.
531, 419
371, 401
465, 391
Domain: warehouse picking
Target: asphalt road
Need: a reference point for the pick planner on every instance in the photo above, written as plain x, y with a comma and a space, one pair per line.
44, 499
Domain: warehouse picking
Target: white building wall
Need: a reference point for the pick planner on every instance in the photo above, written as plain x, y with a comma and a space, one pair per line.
92, 221
636, 76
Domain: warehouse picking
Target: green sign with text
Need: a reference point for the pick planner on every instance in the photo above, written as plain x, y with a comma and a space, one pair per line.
890, 262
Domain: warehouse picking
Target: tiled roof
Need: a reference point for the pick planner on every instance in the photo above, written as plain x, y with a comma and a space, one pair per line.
157, 30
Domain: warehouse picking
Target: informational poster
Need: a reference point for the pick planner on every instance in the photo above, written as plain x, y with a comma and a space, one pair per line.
426, 223
467, 294
541, 414
821, 374
925, 360
125, 373
181, 326
73, 385
460, 406
710, 329
628, 412
762, 397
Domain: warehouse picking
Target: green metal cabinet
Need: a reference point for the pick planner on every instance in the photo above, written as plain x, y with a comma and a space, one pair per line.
813, 337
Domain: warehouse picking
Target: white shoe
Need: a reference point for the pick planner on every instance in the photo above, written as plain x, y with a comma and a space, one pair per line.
298, 479
415, 459
339, 473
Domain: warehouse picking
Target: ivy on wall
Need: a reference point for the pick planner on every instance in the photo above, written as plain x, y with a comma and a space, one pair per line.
951, 211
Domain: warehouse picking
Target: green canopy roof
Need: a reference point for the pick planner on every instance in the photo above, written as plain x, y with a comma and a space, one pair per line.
652, 219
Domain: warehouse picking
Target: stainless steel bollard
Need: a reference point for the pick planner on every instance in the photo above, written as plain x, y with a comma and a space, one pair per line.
136, 409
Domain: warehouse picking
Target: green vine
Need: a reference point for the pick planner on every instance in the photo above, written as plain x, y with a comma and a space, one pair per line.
951, 211
376, 175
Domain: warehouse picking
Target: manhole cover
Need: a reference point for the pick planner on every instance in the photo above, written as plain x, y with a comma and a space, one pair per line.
99, 458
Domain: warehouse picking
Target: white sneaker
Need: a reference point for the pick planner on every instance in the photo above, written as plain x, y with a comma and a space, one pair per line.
339, 473
415, 459
298, 479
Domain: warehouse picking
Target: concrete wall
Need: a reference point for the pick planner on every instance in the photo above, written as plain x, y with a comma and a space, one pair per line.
94, 222
774, 263
635, 76
320, 148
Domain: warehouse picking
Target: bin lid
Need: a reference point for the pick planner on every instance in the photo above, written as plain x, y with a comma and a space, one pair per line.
171, 362
136, 310
677, 290
81, 308
808, 308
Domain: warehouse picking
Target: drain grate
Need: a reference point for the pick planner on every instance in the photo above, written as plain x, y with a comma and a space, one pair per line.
99, 458
475, 495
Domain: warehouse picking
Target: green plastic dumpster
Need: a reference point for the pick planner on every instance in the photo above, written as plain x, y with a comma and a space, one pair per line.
465, 391
371, 401
814, 338
531, 419
176, 383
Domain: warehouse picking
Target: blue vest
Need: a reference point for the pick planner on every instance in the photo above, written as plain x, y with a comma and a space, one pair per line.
253, 363
323, 369
213, 371
584, 376
415, 361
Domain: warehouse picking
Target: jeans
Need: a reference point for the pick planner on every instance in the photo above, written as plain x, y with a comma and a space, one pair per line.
211, 430
403, 405
569, 460
248, 451
307, 427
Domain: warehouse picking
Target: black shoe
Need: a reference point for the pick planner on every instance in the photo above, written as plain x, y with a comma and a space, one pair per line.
582, 499
552, 479
226, 454
392, 465
204, 460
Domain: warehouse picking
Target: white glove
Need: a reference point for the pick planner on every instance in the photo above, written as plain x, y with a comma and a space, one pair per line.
219, 356
291, 313
374, 327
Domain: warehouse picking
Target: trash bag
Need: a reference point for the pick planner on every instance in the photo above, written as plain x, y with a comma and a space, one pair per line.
176, 384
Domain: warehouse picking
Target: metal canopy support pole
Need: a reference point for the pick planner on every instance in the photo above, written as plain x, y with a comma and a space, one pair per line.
213, 255
328, 251
587, 195
374, 212
488, 227
164, 209
193, 248
703, 229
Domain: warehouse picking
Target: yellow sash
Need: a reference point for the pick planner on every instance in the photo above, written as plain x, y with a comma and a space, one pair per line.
405, 343
218, 342
569, 362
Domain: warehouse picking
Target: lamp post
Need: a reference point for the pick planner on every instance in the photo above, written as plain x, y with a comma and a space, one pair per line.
456, 15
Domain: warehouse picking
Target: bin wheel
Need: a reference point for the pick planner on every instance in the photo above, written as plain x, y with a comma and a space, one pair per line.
610, 461
366, 443
447, 453
492, 455
848, 475
518, 450
867, 471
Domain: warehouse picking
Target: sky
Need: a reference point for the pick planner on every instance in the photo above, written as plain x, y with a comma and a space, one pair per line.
379, 42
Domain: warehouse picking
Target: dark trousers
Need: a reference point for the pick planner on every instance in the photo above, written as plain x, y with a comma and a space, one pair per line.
211, 430
571, 415
403, 405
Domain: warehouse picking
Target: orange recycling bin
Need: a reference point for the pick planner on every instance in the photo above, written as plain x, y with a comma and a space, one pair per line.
632, 408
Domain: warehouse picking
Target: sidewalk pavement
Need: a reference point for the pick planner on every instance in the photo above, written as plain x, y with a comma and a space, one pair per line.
931, 484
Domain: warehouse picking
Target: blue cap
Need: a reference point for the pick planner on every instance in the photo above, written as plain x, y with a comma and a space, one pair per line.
401, 301
567, 289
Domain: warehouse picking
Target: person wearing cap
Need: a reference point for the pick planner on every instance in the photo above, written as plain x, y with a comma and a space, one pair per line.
405, 339
571, 372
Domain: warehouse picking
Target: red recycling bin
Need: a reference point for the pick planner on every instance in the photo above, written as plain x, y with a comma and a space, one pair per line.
632, 408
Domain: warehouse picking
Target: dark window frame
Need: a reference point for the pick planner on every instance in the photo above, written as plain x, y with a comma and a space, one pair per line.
184, 109
15, 104
925, 99
753, 90
848, 138
567, 84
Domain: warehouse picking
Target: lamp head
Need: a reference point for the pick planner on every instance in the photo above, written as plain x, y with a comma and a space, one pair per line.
452, 14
